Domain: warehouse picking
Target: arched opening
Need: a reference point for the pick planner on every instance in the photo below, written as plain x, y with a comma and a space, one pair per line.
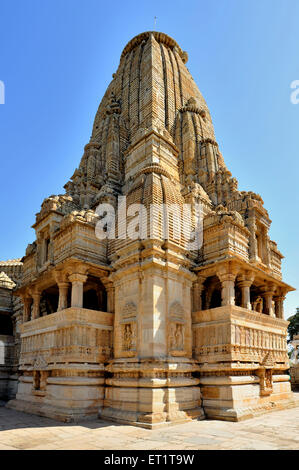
49, 301
90, 300
94, 295
216, 299
260, 236
212, 293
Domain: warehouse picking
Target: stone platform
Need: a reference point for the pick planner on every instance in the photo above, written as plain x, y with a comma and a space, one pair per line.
273, 431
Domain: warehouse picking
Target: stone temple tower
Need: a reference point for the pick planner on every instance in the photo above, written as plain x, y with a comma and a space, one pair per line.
146, 330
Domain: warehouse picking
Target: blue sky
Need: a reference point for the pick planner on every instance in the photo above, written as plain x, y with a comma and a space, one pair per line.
57, 58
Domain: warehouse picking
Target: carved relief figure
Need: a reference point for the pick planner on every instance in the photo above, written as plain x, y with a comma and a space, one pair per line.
179, 337
172, 336
129, 337
258, 305
176, 337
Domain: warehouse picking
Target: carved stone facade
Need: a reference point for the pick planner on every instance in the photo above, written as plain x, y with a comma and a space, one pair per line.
294, 369
148, 331
10, 320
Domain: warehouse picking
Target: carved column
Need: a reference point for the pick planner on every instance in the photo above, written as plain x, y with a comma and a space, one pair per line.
110, 291
268, 296
110, 298
253, 248
77, 281
279, 308
198, 288
27, 301
36, 301
245, 282
228, 288
63, 292
100, 299
267, 249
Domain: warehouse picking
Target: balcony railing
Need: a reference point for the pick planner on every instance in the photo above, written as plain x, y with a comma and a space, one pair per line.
73, 335
230, 334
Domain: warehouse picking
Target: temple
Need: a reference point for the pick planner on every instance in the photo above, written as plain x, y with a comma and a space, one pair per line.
147, 330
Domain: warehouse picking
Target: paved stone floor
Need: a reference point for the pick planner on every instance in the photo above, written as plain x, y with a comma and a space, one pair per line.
275, 430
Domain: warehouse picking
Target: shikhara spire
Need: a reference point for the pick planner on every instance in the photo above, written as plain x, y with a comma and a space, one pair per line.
184, 333
153, 93
152, 90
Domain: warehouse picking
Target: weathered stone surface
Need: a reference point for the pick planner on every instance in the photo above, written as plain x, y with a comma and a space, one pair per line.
274, 431
150, 330
294, 369
10, 312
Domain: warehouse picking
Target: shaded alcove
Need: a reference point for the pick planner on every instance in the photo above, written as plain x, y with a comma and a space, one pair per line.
49, 300
216, 298
256, 292
94, 295
90, 300
6, 326
211, 296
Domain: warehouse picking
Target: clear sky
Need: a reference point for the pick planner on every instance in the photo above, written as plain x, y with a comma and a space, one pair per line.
57, 58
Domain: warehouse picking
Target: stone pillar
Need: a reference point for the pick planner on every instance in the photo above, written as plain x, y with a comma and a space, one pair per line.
268, 296
36, 301
253, 248
279, 308
246, 295
110, 298
100, 298
63, 291
245, 282
77, 281
197, 291
27, 301
267, 249
228, 288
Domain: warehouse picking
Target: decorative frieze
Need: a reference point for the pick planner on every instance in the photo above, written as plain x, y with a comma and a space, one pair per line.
230, 337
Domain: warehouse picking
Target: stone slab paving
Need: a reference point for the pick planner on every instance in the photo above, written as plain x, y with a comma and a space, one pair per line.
273, 431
